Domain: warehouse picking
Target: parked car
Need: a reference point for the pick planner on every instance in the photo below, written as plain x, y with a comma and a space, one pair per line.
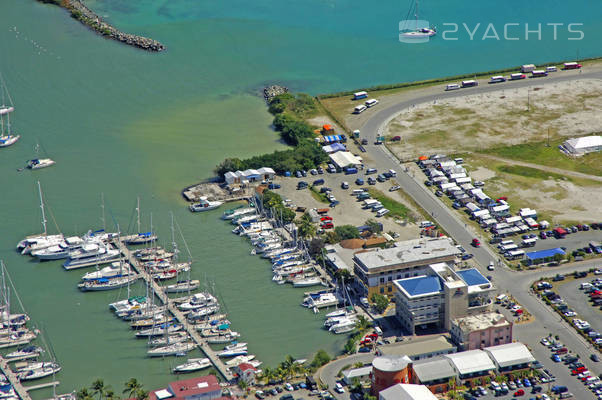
371, 181
439, 193
519, 392
394, 188
476, 242
344, 185
371, 171
359, 181
467, 256
273, 186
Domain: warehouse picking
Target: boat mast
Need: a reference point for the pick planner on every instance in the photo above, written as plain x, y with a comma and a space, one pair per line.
102, 207
42, 207
416, 15
138, 213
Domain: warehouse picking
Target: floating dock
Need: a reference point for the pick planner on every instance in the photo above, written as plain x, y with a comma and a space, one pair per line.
190, 328
42, 385
14, 381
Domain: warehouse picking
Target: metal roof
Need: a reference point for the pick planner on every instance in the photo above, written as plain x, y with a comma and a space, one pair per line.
506, 355
433, 369
420, 285
472, 277
535, 255
391, 363
468, 362
403, 391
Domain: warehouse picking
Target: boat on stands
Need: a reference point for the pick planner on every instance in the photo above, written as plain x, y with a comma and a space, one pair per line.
192, 365
107, 283
48, 369
26, 351
171, 349
307, 281
183, 286
205, 205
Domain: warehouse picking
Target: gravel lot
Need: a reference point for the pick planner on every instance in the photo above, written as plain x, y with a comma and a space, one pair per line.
349, 211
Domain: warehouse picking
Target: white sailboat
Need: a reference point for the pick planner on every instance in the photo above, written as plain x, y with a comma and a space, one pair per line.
192, 365
102, 284
115, 270
49, 368
141, 237
239, 360
39, 163
6, 136
172, 338
25, 352
307, 281
171, 349
416, 31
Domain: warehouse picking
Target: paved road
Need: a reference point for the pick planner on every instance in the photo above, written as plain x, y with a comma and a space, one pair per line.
515, 283
328, 374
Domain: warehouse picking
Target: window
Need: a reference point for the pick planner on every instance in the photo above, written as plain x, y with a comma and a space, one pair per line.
398, 276
382, 290
407, 274
390, 278
382, 280
389, 289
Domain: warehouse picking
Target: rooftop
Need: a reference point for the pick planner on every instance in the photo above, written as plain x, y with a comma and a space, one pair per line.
195, 386
391, 363
419, 286
409, 251
417, 348
585, 142
510, 354
535, 255
472, 277
357, 372
471, 361
481, 321
433, 369
403, 391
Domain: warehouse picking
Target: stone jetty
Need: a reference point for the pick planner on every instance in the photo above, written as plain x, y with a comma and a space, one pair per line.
86, 16
269, 92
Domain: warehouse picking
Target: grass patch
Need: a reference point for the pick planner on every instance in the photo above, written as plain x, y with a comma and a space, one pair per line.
540, 153
530, 172
396, 209
321, 197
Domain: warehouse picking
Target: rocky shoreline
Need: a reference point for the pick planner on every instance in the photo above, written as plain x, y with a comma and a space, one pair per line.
269, 92
87, 17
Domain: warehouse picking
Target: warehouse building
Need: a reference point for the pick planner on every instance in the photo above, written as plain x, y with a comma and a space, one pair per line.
583, 145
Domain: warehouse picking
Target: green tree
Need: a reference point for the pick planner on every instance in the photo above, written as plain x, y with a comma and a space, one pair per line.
110, 395
98, 388
315, 246
363, 324
131, 387
141, 394
84, 394
380, 302
374, 226
350, 346
306, 228
321, 358
347, 232
229, 164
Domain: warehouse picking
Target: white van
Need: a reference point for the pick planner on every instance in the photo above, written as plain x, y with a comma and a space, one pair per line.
381, 212
360, 109
500, 298
392, 172
339, 388
505, 243
371, 103
452, 86
425, 224
357, 192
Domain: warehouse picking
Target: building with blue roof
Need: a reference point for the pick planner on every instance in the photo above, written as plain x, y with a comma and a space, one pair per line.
439, 296
541, 256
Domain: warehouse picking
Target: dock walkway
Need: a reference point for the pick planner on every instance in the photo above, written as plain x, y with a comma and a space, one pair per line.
190, 328
14, 381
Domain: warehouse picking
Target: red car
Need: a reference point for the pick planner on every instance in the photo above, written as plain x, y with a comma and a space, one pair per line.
502, 198
519, 392
327, 225
365, 342
326, 218
476, 242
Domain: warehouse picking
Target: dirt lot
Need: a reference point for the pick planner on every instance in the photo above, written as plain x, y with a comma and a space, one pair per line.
349, 211
506, 117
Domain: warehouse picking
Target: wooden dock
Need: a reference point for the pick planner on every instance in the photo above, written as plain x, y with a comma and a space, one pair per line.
190, 328
14, 381
25, 357
42, 385
15, 343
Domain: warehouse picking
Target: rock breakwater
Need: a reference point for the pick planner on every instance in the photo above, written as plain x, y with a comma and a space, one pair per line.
269, 92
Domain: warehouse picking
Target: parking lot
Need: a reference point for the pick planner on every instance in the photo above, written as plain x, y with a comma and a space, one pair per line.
348, 211
578, 300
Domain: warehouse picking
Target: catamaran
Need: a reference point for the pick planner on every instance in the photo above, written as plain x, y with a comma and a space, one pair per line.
192, 365
205, 205
6, 137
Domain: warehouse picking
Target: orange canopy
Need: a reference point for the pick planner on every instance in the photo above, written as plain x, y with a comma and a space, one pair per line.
327, 127
422, 158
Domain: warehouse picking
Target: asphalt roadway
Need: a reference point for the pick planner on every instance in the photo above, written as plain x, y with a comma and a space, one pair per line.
516, 283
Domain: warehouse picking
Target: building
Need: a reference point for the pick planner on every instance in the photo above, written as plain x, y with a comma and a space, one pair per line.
510, 357
376, 270
471, 364
407, 392
439, 296
542, 256
344, 159
202, 388
582, 145
480, 331
434, 373
359, 373
249, 175
246, 373
390, 370
419, 349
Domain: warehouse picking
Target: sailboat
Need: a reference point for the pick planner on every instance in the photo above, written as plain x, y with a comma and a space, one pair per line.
38, 163
192, 365
15, 334
6, 137
416, 32
141, 237
42, 371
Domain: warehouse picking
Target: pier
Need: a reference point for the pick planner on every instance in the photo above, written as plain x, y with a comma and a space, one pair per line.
42, 385
190, 328
14, 381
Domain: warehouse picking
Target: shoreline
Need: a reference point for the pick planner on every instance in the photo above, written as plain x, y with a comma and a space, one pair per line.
89, 18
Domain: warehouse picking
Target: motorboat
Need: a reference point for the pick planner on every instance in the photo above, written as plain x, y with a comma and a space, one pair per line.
59, 251
237, 213
159, 330
107, 283
47, 370
268, 247
192, 365
27, 351
344, 326
183, 286
36, 243
103, 255
235, 346
305, 282
239, 360
197, 301
115, 270
335, 320
39, 163
202, 312
205, 205
320, 300
239, 351
171, 349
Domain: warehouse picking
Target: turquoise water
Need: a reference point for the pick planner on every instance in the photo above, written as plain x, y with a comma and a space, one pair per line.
127, 123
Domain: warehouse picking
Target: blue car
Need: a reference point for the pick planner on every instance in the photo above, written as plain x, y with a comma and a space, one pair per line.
556, 358
526, 382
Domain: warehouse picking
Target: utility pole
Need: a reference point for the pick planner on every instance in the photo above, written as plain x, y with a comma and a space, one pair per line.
548, 137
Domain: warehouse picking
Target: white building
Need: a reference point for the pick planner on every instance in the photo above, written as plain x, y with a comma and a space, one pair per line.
344, 159
249, 175
510, 356
471, 364
582, 145
403, 391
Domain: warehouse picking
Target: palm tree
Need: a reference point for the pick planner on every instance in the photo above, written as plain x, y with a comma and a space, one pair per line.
131, 387
110, 395
98, 387
306, 228
141, 394
84, 394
